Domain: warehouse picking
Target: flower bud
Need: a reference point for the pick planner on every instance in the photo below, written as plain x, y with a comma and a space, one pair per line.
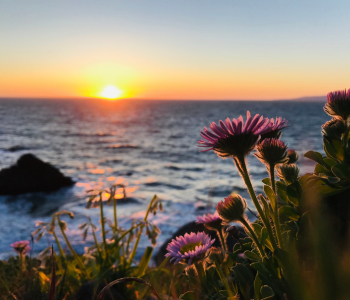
288, 173
334, 128
272, 152
233, 231
232, 209
293, 156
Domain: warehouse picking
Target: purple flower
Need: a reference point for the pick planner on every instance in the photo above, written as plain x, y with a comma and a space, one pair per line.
275, 129
189, 248
272, 152
234, 138
338, 104
21, 247
210, 221
232, 208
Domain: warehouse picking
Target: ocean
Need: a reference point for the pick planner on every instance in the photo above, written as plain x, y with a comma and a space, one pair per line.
150, 146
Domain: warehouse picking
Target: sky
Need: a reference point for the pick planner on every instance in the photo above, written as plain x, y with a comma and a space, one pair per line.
174, 49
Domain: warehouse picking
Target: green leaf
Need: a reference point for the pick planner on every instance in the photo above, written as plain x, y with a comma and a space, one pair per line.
270, 194
260, 268
246, 240
330, 162
282, 258
257, 229
315, 156
244, 276
266, 291
341, 171
321, 169
264, 236
282, 196
266, 181
338, 146
294, 191
144, 261
281, 185
327, 190
303, 180
288, 212
257, 286
328, 179
333, 148
251, 255
265, 204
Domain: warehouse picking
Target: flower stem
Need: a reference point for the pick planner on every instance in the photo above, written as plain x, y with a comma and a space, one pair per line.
255, 238
242, 167
133, 253
200, 270
115, 214
58, 244
22, 258
96, 243
103, 227
222, 240
70, 246
276, 218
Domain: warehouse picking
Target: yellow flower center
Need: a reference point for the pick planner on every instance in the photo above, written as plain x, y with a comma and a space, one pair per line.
189, 247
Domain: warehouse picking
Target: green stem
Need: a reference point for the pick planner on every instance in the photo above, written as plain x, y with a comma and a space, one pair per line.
222, 240
276, 218
222, 274
96, 243
200, 271
255, 238
115, 214
58, 260
242, 168
59, 245
22, 263
70, 246
103, 227
133, 253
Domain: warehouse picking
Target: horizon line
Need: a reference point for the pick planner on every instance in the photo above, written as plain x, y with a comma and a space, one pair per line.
315, 98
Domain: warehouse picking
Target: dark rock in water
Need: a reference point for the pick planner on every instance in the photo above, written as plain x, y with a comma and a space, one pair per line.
29, 175
16, 148
194, 227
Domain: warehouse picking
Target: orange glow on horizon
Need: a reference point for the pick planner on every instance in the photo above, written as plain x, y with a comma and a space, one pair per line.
112, 93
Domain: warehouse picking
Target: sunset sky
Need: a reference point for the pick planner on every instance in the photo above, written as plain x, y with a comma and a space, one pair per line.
178, 49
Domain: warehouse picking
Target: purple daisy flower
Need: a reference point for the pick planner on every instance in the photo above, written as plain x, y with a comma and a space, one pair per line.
234, 138
210, 221
275, 129
338, 104
21, 247
189, 248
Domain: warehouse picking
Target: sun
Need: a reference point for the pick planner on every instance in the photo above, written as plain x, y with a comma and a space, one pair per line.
111, 92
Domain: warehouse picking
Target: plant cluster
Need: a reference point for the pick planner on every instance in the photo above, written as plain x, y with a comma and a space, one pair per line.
104, 261
296, 249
